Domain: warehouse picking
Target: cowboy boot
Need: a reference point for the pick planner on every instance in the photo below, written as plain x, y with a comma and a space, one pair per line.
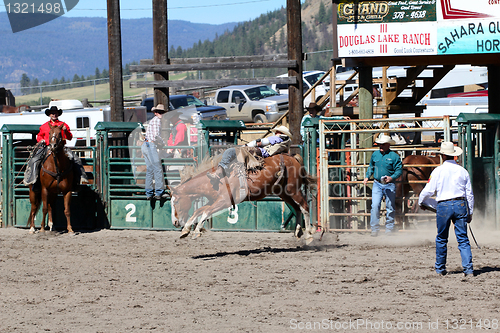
216, 176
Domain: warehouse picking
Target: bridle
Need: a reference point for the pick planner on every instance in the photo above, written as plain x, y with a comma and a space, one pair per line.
54, 147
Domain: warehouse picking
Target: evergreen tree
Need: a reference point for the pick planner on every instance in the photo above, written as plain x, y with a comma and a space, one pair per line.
25, 84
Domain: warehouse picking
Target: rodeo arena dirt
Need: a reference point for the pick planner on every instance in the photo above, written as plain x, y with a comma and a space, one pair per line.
131, 281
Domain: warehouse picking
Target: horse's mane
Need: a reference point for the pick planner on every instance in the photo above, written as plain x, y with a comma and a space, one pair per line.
208, 163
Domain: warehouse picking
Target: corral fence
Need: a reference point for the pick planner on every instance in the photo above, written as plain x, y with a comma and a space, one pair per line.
340, 151
116, 197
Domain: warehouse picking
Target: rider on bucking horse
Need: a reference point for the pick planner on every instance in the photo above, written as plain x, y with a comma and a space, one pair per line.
33, 167
275, 144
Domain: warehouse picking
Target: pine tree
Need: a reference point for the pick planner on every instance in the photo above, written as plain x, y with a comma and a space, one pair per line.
25, 84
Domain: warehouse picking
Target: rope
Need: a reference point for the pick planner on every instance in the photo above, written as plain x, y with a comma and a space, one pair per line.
33, 149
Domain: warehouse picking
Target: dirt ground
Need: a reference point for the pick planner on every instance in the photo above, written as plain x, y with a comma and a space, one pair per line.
136, 281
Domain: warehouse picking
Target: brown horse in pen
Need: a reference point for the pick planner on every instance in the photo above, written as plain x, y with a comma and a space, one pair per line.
56, 176
415, 168
281, 175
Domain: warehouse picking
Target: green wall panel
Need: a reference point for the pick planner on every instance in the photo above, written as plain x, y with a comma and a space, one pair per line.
162, 218
246, 218
271, 214
131, 214
23, 209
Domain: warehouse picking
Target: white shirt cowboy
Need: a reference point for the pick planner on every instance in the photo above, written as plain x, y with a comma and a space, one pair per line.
449, 181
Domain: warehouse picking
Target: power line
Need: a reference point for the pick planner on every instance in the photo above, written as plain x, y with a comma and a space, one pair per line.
183, 7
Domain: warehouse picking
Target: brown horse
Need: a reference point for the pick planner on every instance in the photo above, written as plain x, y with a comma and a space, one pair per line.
281, 175
415, 169
14, 109
56, 176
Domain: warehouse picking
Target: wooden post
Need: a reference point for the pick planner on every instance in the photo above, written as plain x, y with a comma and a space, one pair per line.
115, 61
493, 86
295, 97
365, 101
160, 48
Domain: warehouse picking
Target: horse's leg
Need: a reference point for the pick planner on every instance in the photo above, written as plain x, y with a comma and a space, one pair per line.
199, 226
35, 199
67, 206
297, 200
45, 208
50, 222
187, 227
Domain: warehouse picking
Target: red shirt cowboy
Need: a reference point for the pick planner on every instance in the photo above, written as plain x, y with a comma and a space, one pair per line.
54, 114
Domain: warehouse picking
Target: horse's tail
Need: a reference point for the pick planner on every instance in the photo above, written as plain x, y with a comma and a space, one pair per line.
307, 179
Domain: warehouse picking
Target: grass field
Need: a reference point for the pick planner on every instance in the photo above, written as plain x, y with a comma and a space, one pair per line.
97, 92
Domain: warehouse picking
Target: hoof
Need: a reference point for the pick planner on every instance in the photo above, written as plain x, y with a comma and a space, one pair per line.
309, 240
298, 231
196, 235
32, 230
185, 233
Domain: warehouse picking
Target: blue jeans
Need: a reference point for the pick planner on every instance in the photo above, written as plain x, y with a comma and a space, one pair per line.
378, 192
227, 157
154, 170
456, 211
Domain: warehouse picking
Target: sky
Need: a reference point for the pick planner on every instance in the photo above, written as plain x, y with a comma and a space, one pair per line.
196, 11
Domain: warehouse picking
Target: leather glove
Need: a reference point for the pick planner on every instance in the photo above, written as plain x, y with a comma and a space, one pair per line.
469, 218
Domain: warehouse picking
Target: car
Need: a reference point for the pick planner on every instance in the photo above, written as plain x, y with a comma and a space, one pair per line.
252, 103
309, 79
192, 109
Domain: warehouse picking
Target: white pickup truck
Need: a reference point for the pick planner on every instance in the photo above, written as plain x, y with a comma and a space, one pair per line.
252, 103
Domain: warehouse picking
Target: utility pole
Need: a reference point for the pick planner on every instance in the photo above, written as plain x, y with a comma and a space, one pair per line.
115, 61
160, 44
295, 97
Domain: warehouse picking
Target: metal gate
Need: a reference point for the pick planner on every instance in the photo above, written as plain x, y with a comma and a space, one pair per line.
16, 142
479, 136
345, 148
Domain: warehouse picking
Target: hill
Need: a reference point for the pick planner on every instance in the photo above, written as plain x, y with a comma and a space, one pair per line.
68, 46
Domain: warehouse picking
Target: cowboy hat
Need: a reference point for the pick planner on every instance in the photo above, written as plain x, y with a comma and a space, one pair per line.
448, 148
282, 129
384, 138
314, 106
53, 109
160, 108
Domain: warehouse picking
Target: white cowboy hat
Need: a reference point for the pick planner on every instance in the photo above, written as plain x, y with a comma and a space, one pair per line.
160, 108
282, 129
448, 148
384, 138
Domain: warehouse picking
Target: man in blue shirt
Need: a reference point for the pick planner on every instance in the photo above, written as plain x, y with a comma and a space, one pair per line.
386, 167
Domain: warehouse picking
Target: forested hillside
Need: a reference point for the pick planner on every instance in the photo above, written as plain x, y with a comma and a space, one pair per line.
68, 46
267, 35
69, 49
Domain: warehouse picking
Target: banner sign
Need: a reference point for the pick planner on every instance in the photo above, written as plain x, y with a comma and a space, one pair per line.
418, 27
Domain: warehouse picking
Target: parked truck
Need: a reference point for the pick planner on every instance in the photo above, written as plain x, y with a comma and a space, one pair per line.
252, 103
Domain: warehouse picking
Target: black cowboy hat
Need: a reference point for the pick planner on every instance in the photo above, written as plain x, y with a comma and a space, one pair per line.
53, 109
314, 106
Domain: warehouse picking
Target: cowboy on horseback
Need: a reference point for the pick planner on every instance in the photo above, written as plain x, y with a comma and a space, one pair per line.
273, 145
33, 167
